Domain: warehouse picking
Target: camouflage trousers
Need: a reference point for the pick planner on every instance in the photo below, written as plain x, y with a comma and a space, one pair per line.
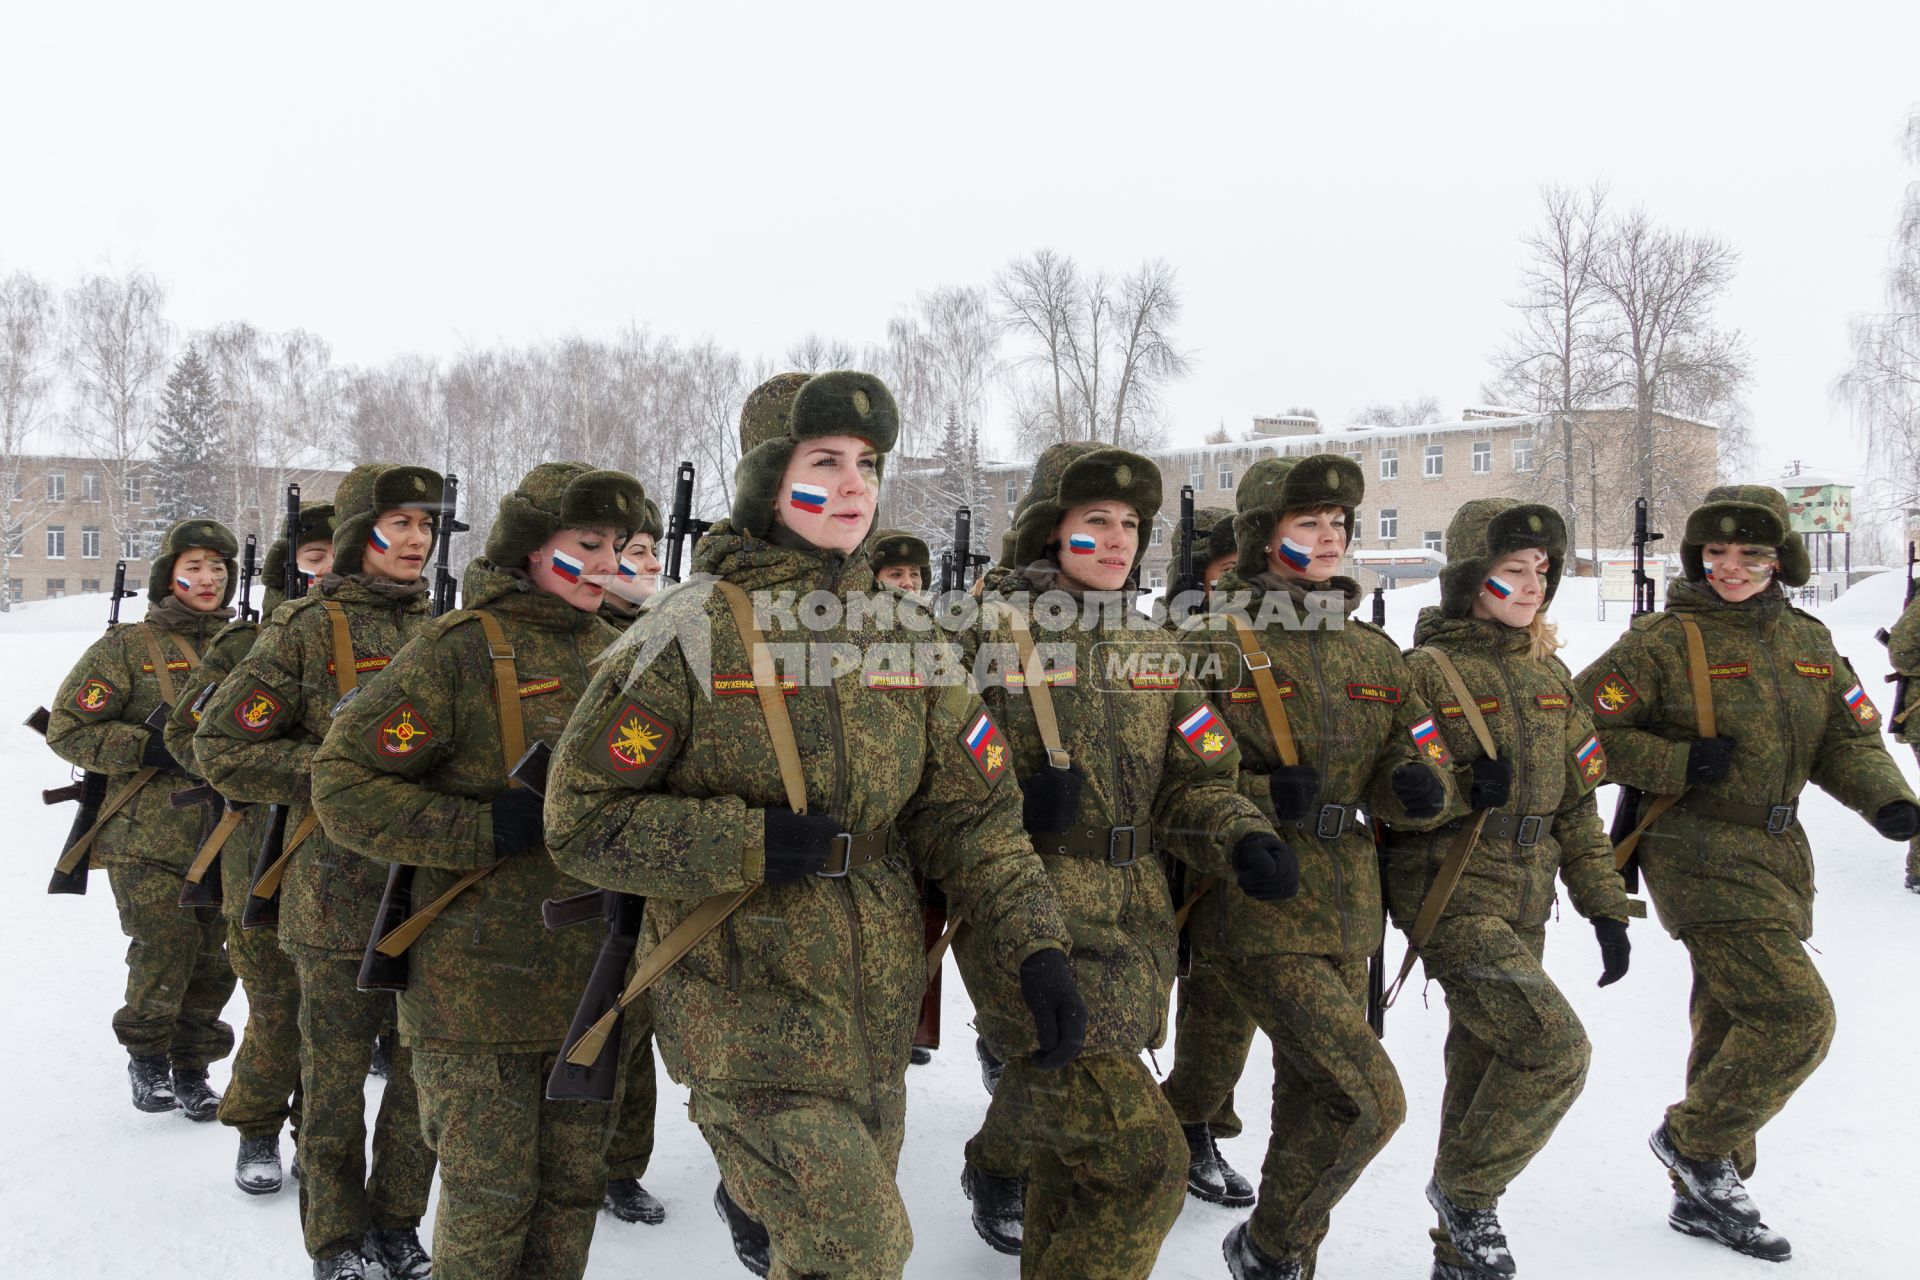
817, 1171
1516, 1055
631, 1149
1336, 1097
1762, 1021
1104, 1159
339, 1203
1212, 1036
521, 1178
1913, 845
265, 1089
178, 979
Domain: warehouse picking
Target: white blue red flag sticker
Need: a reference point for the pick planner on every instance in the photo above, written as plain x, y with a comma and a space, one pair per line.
183, 583
809, 498
566, 566
1297, 554
1427, 737
1499, 588
628, 572
1205, 733
1081, 544
378, 540
985, 747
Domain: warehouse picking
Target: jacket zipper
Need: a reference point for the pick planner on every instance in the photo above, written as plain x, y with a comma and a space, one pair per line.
1325, 735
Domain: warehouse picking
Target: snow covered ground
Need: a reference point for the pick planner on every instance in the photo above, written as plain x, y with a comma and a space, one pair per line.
90, 1187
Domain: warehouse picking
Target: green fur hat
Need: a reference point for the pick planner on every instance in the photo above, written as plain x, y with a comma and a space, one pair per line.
650, 522
1067, 475
890, 547
1484, 531
198, 531
1274, 487
1212, 535
315, 525
563, 495
790, 408
1748, 514
369, 490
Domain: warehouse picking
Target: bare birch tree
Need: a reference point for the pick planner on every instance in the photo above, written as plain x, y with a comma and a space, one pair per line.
1882, 384
29, 354
118, 345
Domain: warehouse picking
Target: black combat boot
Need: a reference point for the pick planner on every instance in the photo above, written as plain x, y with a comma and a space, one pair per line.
751, 1244
1913, 883
628, 1201
1715, 1184
195, 1096
1475, 1233
347, 1265
920, 1056
1689, 1217
152, 1085
1248, 1261
991, 1068
1209, 1176
397, 1251
999, 1207
257, 1170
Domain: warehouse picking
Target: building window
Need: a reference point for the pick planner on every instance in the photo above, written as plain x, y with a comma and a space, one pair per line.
1155, 582
56, 542
89, 586
1013, 490
1353, 455
126, 546
56, 486
1435, 461
1523, 455
133, 490
16, 590
1389, 522
1432, 539
1159, 535
1226, 478
56, 588
1482, 457
90, 486
1389, 464
89, 544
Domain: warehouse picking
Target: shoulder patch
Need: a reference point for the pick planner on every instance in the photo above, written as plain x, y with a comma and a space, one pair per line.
1553, 701
1427, 737
985, 747
1373, 693
1861, 705
92, 697
402, 733
633, 741
1813, 670
1205, 732
256, 712
1614, 695
1590, 761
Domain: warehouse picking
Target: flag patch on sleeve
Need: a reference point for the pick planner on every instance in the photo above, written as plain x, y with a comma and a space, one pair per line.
1591, 760
1861, 705
1427, 737
985, 747
1205, 733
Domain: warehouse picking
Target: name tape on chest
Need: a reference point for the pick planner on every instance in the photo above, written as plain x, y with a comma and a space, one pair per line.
732, 686
1285, 688
376, 662
1729, 671
1553, 701
1488, 706
534, 688
1813, 670
1361, 692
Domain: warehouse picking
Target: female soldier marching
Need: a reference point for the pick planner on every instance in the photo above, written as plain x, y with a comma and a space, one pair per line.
1525, 755
177, 975
1720, 710
806, 799
256, 743
491, 989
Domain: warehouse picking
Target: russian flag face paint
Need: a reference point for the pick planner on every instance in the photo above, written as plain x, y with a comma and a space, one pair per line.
628, 573
566, 566
1499, 588
1294, 553
183, 584
809, 498
1081, 544
378, 541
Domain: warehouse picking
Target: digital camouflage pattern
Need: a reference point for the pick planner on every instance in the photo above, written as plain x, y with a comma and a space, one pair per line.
1903, 651
178, 979
1212, 1036
1781, 692
630, 1148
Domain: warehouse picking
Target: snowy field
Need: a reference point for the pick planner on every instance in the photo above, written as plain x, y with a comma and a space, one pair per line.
89, 1187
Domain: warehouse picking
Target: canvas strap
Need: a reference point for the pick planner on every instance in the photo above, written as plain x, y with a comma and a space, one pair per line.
1703, 713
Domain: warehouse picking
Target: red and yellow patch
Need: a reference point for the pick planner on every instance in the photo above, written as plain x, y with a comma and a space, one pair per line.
1729, 671
173, 664
1813, 670
534, 688
734, 685
377, 662
256, 712
635, 740
1055, 675
1373, 693
93, 696
892, 680
402, 733
1614, 695
1162, 683
1488, 705
1283, 687
985, 747
1591, 760
1205, 732
1553, 701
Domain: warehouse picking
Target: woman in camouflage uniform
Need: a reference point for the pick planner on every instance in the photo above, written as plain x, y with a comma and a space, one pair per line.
1516, 1053
177, 975
901, 561
264, 1092
791, 1021
491, 989
1364, 739
637, 575
1726, 861
1149, 774
256, 742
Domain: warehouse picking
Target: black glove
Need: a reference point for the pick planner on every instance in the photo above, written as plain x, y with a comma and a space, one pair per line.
1492, 783
1293, 788
1898, 820
1614, 948
517, 824
1265, 867
1059, 1014
156, 756
1709, 759
1049, 800
1419, 790
797, 844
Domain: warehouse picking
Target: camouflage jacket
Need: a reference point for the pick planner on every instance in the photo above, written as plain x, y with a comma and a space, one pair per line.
1903, 652
1797, 713
1540, 725
1120, 704
98, 722
1354, 712
487, 976
259, 734
617, 616
658, 789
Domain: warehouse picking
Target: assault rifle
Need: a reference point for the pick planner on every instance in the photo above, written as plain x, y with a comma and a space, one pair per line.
1377, 962
262, 911
249, 566
380, 972
1626, 810
959, 561
1900, 679
680, 522
1186, 593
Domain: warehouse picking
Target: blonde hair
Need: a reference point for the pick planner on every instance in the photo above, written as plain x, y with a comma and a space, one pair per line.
1543, 638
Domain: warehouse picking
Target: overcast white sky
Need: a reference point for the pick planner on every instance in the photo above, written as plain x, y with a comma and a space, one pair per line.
1342, 188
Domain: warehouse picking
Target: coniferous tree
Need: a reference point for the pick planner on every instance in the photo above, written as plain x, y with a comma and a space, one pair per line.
186, 442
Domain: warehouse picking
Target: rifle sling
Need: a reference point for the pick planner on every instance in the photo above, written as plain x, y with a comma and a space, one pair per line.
1703, 713
1034, 678
216, 841
269, 882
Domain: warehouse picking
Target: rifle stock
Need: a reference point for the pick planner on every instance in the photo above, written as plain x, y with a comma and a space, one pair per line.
260, 913
93, 786
595, 1083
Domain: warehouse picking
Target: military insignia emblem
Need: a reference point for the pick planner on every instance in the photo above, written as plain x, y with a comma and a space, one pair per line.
402, 733
93, 696
1373, 693
1591, 760
257, 711
1861, 705
1813, 670
635, 740
1614, 695
1205, 733
1553, 701
1426, 736
985, 747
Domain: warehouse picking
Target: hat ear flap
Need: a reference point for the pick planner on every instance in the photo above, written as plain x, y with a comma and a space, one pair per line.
1795, 565
756, 481
1252, 535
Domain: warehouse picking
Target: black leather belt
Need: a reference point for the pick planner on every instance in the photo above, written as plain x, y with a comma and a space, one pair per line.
1117, 846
